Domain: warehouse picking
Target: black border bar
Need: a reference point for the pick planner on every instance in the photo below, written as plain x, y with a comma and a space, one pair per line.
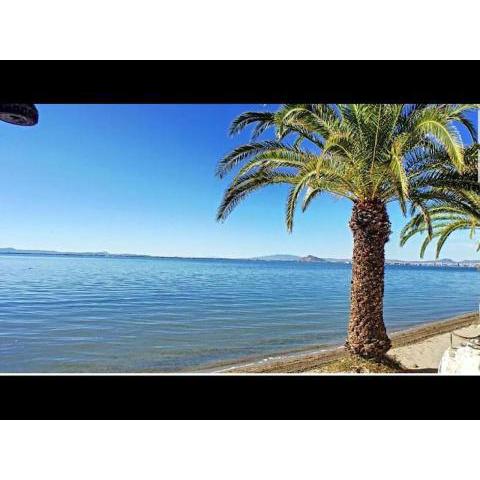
249, 81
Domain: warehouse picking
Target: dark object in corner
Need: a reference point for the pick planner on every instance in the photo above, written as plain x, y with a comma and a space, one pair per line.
24, 114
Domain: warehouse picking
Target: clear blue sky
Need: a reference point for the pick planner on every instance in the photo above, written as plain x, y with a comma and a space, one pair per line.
140, 179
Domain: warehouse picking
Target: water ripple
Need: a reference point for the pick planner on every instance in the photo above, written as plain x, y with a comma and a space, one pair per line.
65, 314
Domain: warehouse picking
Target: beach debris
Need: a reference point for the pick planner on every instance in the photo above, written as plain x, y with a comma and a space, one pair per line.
355, 364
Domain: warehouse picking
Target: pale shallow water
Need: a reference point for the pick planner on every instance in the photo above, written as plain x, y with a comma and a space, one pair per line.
80, 314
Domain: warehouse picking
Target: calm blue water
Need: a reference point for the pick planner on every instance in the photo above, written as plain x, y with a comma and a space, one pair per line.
65, 314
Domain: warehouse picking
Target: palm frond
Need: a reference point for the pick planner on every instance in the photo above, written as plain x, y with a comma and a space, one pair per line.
411, 154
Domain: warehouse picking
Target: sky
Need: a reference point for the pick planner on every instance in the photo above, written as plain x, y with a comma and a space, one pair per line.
140, 179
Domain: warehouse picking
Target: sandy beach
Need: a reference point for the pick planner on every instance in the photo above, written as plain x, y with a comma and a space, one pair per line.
418, 349
425, 355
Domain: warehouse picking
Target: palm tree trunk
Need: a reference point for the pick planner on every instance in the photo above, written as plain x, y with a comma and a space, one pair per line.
370, 225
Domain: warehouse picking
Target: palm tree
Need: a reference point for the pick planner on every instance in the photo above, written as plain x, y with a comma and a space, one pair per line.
453, 211
368, 154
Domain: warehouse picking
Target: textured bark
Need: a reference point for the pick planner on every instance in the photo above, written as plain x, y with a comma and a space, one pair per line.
370, 225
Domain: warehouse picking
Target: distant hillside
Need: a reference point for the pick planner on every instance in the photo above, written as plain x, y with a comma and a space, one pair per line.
312, 258
444, 262
281, 258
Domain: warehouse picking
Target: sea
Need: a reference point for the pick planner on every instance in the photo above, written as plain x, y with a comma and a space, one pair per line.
66, 314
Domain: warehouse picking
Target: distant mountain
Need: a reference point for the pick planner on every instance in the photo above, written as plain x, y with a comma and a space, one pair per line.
444, 262
312, 258
278, 258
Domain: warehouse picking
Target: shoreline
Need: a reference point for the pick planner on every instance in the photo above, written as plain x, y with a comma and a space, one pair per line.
309, 360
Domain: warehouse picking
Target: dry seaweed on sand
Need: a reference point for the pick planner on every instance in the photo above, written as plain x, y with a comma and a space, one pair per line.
354, 364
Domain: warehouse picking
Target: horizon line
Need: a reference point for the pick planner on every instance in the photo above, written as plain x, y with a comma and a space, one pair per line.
26, 251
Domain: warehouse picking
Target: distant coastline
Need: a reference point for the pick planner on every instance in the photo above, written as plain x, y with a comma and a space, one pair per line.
445, 262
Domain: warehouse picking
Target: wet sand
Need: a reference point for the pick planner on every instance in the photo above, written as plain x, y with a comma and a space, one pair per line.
419, 349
